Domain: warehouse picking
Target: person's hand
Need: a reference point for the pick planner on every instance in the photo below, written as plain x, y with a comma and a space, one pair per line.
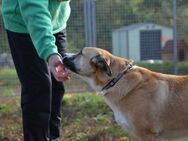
57, 68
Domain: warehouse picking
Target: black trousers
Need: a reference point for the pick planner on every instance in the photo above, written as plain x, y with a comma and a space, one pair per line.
41, 94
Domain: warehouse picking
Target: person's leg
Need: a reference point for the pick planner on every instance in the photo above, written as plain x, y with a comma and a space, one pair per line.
57, 92
56, 109
35, 87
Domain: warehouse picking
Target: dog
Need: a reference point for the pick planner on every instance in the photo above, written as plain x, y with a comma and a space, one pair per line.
151, 105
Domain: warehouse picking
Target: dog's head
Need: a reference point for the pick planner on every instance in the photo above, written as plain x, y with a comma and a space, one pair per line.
94, 65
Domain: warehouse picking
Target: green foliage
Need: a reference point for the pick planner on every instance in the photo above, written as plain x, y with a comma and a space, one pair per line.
166, 67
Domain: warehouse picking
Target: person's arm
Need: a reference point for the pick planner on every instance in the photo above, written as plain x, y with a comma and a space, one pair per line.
37, 18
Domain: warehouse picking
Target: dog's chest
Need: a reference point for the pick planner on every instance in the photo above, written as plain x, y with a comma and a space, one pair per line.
120, 118
91, 83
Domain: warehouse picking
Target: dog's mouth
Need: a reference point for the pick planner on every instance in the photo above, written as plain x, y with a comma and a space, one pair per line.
68, 61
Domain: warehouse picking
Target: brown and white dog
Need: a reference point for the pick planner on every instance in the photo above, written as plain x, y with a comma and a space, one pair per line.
151, 105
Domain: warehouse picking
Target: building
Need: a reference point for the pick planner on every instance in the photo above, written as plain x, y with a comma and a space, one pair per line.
142, 41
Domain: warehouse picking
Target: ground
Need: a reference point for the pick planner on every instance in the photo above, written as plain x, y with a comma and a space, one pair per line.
85, 118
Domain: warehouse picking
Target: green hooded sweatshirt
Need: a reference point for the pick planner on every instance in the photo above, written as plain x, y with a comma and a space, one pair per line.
39, 18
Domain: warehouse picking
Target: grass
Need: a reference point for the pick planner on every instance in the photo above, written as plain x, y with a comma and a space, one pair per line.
8, 81
85, 118
8, 76
10, 119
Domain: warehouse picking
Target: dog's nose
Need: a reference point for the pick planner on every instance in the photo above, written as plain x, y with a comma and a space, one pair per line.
68, 61
68, 57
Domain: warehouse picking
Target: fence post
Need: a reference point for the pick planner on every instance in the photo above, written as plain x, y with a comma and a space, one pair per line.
175, 37
90, 22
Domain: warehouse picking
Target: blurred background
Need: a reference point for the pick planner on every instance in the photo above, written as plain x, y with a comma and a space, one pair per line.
153, 33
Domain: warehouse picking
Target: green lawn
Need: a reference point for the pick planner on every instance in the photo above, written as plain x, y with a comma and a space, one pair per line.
85, 118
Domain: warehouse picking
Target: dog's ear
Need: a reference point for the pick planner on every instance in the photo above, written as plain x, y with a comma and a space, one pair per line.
102, 64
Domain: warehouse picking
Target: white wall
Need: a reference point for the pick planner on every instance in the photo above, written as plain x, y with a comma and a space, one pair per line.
123, 43
119, 42
134, 45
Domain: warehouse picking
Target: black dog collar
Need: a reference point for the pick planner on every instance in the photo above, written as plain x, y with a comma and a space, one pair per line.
114, 80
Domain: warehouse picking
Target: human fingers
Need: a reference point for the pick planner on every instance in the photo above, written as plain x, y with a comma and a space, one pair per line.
59, 73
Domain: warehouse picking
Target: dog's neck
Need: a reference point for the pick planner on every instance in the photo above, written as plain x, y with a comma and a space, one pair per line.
105, 92
112, 83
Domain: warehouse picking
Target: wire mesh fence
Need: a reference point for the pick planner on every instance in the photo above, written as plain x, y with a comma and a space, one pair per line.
154, 33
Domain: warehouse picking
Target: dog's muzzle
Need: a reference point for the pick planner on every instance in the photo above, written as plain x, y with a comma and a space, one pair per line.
68, 61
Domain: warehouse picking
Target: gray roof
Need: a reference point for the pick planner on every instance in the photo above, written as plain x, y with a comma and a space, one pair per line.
135, 26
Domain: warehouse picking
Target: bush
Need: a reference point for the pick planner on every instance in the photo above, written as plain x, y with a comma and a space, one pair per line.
166, 67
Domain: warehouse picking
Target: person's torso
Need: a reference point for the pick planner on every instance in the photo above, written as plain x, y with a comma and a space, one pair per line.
59, 11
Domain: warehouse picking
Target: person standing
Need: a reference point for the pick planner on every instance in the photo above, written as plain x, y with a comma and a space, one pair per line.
36, 31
